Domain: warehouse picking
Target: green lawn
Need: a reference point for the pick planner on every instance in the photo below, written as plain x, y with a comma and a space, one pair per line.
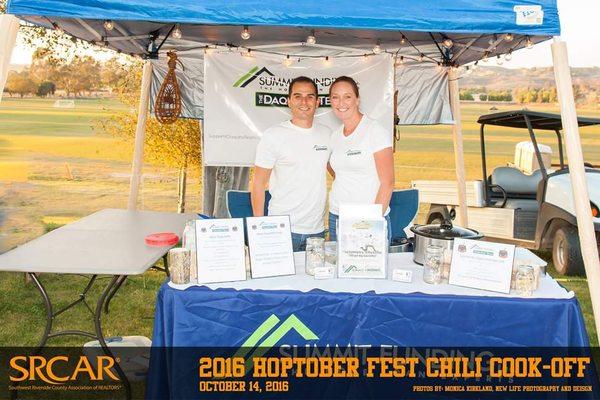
38, 142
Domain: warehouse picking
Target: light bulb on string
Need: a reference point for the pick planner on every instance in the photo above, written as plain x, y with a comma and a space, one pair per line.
499, 60
311, 39
509, 37
176, 34
108, 25
287, 61
377, 48
475, 65
485, 57
492, 40
326, 61
365, 57
401, 60
245, 33
448, 43
508, 56
421, 57
402, 39
528, 42
247, 53
439, 65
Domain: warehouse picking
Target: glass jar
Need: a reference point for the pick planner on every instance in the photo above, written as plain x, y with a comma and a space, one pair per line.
433, 266
179, 265
315, 254
525, 280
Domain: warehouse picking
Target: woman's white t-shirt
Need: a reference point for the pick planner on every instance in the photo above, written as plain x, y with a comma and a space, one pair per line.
352, 160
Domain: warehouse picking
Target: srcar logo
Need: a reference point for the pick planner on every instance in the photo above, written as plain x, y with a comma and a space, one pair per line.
32, 368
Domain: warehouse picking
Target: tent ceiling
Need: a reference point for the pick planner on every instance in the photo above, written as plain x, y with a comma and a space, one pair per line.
476, 27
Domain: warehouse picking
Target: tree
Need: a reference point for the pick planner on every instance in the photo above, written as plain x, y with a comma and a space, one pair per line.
19, 82
176, 145
45, 88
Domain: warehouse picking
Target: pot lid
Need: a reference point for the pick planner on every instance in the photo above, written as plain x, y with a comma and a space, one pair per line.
445, 231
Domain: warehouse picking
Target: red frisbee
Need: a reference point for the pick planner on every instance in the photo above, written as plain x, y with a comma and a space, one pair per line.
161, 239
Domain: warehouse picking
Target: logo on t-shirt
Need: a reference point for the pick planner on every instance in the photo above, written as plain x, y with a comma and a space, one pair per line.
353, 152
318, 147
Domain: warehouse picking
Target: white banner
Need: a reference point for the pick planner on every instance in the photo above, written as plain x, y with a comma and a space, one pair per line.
243, 96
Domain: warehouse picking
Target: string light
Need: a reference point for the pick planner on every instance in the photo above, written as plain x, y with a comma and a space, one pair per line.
377, 48
528, 42
421, 57
439, 65
485, 57
508, 56
402, 39
245, 33
475, 65
499, 60
108, 25
365, 57
492, 41
288, 61
401, 60
509, 37
176, 34
247, 53
311, 39
447, 43
326, 59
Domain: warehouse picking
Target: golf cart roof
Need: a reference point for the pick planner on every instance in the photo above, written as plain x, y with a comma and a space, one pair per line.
539, 120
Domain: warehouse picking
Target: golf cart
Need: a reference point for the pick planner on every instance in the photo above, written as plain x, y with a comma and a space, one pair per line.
528, 203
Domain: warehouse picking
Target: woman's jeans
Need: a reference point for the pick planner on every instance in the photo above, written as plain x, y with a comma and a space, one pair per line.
299, 239
333, 227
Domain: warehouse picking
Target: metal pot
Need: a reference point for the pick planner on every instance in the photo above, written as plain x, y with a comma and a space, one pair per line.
438, 235
401, 245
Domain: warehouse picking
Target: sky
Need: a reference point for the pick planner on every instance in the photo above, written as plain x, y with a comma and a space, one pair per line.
579, 27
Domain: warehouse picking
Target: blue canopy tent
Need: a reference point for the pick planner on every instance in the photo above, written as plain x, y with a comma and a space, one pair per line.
451, 33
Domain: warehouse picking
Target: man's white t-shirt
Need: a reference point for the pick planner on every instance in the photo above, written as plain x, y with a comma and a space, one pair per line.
298, 159
356, 180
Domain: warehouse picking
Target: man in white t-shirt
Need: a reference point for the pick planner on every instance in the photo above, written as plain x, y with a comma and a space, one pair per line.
291, 158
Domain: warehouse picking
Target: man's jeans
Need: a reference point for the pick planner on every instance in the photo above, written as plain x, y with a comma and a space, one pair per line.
299, 239
333, 219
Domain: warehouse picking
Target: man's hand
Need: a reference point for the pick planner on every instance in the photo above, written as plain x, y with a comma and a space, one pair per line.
257, 193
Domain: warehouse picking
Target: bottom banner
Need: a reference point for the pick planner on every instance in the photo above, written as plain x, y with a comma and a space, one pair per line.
301, 372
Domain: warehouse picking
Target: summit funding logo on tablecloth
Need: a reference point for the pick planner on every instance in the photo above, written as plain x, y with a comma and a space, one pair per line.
273, 90
270, 332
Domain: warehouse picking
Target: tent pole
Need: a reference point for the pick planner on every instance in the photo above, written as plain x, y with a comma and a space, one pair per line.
459, 162
9, 26
140, 136
585, 225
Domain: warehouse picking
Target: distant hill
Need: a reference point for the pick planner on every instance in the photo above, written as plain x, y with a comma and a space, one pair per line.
499, 78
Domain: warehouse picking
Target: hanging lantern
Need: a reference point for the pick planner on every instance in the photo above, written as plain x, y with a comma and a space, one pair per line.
168, 102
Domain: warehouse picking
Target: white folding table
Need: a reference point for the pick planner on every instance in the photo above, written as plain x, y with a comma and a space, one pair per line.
108, 242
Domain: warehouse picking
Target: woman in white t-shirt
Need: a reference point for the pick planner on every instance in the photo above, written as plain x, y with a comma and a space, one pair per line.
362, 159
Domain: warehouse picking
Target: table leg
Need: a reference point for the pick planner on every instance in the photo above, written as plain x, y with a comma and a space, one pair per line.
49, 314
100, 335
166, 264
120, 281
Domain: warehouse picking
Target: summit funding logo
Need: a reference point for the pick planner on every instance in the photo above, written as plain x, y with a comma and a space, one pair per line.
269, 333
251, 75
272, 90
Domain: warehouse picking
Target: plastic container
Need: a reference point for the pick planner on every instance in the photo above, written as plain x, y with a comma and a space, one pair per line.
133, 353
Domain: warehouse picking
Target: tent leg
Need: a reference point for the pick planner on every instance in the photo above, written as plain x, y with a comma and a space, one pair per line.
587, 236
459, 162
140, 136
9, 27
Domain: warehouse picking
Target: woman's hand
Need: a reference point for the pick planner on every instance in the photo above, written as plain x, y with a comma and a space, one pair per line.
384, 162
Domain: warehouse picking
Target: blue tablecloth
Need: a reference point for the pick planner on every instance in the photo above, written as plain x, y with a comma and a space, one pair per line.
201, 317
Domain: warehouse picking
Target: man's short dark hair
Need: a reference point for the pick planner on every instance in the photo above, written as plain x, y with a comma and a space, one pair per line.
302, 79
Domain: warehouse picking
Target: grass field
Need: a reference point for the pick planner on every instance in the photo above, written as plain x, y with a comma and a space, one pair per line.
40, 144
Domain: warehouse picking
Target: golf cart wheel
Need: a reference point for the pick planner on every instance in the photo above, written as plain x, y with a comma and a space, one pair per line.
566, 253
